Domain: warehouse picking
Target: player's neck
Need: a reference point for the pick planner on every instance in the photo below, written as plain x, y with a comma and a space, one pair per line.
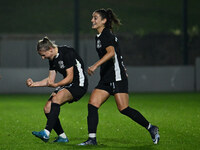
100, 29
55, 53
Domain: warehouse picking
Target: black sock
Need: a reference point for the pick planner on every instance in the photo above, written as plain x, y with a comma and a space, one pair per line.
57, 127
92, 118
52, 116
47, 115
136, 116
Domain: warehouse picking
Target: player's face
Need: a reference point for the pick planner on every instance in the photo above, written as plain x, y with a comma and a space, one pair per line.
46, 54
97, 21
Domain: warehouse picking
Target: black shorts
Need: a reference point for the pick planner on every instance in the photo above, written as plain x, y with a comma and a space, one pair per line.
114, 87
76, 91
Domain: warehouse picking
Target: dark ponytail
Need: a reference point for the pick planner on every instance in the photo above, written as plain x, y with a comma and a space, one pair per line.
110, 16
45, 44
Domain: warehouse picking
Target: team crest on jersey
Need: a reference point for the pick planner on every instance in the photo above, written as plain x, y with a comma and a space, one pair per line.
116, 39
99, 44
61, 64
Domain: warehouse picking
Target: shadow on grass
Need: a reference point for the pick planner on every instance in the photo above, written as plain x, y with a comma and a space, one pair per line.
103, 146
113, 144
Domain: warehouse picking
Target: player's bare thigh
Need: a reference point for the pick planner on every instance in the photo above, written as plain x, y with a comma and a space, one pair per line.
62, 96
98, 97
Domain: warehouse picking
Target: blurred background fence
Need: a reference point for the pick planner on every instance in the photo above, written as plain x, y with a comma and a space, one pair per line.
151, 39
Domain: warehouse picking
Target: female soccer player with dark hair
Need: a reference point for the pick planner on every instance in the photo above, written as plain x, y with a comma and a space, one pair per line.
62, 59
113, 77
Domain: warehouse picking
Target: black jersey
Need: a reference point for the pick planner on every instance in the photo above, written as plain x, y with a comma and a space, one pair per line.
66, 58
113, 69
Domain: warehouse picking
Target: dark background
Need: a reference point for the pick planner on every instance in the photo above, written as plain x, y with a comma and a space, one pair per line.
151, 33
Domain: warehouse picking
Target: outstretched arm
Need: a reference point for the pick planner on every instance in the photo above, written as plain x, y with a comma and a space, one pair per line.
44, 82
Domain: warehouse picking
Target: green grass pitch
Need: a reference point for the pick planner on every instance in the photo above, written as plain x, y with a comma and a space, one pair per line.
176, 114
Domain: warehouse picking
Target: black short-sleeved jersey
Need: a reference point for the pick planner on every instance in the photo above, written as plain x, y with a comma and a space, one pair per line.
66, 58
113, 69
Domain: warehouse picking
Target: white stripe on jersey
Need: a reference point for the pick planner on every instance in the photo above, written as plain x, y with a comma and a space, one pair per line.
117, 69
81, 75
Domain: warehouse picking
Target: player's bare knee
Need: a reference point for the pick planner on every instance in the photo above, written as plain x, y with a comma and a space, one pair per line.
121, 108
55, 100
95, 104
47, 109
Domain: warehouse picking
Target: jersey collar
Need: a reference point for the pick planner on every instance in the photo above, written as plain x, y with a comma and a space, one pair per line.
57, 55
98, 35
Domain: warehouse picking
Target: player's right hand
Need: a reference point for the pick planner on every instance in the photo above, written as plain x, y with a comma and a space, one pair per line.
29, 82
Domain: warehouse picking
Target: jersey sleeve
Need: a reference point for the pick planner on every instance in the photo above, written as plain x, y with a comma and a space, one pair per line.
108, 40
69, 59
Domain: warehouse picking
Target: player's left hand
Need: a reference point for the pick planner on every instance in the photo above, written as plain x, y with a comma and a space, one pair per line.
51, 84
91, 70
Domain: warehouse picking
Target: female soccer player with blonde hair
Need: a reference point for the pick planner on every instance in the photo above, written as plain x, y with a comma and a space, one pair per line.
71, 88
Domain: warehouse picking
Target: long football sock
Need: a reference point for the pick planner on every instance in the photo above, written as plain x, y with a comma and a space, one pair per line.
52, 116
136, 116
92, 119
57, 127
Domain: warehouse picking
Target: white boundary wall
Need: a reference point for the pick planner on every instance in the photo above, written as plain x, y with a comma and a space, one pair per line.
197, 73
141, 79
19, 60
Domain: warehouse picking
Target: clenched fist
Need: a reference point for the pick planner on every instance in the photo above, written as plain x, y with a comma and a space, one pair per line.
29, 82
